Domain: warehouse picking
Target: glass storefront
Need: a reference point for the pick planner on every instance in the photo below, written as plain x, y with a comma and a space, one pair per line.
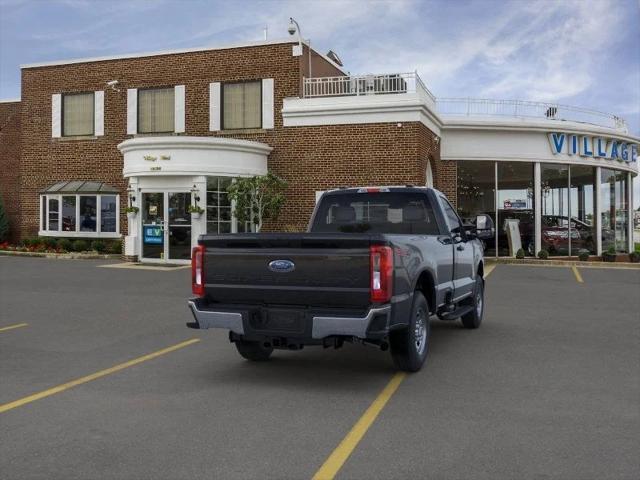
477, 194
567, 206
220, 218
614, 210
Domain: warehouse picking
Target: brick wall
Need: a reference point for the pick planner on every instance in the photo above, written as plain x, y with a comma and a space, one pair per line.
10, 163
309, 158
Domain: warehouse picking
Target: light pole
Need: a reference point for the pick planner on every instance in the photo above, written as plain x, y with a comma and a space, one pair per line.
293, 28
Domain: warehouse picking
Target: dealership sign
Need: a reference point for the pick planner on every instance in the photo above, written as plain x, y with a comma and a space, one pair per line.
597, 147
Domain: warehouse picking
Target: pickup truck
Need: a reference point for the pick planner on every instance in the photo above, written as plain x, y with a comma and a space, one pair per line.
374, 266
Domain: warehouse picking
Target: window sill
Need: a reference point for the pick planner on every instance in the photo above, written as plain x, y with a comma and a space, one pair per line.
77, 138
157, 134
242, 131
79, 234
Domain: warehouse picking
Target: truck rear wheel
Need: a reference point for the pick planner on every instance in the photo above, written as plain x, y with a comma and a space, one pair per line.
473, 319
253, 351
410, 346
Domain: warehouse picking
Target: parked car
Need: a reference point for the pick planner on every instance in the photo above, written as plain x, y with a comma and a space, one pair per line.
374, 266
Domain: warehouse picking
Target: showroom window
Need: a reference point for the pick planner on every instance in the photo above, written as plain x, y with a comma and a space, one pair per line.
242, 105
156, 110
515, 204
477, 194
78, 114
614, 210
220, 218
79, 209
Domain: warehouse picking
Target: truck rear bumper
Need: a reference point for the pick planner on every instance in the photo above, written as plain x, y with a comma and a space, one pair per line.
375, 322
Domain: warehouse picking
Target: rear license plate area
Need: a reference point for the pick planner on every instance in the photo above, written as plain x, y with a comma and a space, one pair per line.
280, 320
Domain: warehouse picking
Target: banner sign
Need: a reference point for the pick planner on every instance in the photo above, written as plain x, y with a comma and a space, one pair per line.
153, 235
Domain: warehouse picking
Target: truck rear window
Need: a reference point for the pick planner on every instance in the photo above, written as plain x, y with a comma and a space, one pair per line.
381, 212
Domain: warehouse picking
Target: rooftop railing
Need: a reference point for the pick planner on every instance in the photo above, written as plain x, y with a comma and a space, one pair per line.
356, 85
399, 83
479, 107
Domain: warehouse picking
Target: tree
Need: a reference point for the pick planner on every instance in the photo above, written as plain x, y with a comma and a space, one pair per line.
257, 198
4, 223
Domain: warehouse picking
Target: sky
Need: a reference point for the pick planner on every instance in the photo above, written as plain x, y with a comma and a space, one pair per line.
576, 52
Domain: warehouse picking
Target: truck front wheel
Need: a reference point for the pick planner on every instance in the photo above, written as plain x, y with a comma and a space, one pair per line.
410, 346
254, 351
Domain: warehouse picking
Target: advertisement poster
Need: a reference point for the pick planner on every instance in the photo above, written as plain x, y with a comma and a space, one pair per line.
153, 235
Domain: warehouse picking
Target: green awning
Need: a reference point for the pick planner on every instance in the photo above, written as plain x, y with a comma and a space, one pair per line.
80, 186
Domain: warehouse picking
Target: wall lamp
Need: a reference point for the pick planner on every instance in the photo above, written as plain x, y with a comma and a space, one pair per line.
194, 192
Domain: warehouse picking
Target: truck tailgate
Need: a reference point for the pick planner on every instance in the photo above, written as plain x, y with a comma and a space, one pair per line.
329, 269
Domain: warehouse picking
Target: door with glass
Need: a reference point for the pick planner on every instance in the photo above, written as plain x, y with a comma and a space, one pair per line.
166, 226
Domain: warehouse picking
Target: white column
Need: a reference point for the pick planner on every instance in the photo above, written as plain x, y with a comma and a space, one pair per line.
537, 194
199, 227
598, 214
630, 212
132, 239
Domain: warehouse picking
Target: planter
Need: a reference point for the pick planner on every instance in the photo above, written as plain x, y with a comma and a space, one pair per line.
196, 215
132, 215
634, 257
609, 257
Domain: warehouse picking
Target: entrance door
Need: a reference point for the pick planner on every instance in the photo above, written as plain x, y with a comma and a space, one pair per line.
166, 226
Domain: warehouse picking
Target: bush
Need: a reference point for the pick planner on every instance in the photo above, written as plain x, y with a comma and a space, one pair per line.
4, 223
80, 246
48, 242
520, 253
115, 247
27, 242
634, 257
583, 255
65, 244
98, 245
543, 254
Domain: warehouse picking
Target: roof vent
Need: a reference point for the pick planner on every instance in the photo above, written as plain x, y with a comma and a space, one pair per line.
333, 56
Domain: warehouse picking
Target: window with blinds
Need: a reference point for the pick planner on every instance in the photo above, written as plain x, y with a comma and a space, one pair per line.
156, 110
77, 114
241, 105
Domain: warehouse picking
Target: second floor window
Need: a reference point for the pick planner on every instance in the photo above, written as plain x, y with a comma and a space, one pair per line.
156, 110
241, 105
77, 114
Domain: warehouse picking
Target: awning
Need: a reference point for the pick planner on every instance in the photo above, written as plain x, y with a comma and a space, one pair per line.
80, 186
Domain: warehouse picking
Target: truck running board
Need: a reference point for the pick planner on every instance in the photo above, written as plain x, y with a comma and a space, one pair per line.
455, 313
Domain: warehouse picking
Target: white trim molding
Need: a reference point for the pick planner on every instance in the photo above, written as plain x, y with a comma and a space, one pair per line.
179, 109
183, 155
132, 111
56, 115
98, 122
214, 107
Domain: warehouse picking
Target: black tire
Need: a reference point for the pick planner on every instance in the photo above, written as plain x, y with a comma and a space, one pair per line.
473, 319
253, 351
410, 346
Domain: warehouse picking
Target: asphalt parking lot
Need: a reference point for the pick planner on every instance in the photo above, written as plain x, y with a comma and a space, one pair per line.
548, 387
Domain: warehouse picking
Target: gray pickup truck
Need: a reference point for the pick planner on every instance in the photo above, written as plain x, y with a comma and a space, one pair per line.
374, 266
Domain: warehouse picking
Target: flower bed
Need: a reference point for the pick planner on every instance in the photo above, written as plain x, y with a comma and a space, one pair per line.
49, 245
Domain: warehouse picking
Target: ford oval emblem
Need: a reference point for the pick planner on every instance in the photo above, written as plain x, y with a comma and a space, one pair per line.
282, 266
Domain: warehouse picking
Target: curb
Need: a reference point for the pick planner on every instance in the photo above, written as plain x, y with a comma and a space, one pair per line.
563, 263
64, 256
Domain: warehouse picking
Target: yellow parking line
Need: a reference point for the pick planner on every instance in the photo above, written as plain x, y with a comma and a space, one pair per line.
577, 274
11, 327
488, 269
334, 463
93, 376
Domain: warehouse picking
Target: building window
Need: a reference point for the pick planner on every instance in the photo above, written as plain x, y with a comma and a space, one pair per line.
515, 204
477, 194
78, 114
242, 105
156, 110
75, 215
220, 217
614, 210
582, 208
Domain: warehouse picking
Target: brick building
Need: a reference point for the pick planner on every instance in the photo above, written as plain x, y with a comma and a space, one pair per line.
162, 131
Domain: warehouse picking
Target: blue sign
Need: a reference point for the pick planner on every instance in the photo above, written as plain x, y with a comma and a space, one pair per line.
282, 266
589, 146
153, 235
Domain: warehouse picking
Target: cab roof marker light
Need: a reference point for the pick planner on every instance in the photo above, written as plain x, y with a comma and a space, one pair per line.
373, 189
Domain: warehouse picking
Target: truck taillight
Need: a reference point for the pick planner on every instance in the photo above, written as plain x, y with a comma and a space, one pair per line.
197, 271
381, 260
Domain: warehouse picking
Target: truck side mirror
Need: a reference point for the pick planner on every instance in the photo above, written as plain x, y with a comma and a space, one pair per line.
484, 227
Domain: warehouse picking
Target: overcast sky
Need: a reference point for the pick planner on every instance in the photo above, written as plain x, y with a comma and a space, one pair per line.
578, 52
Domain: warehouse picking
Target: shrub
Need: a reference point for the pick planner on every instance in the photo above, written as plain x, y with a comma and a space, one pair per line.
80, 246
115, 247
520, 253
4, 223
635, 257
543, 254
27, 242
583, 255
48, 242
98, 246
65, 244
